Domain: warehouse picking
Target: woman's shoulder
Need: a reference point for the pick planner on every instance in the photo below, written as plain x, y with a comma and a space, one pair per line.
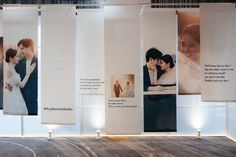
173, 72
9, 72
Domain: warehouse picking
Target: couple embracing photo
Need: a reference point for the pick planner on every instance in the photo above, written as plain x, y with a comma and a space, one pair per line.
21, 79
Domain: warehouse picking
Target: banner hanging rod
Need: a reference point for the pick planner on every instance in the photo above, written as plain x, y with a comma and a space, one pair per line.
99, 5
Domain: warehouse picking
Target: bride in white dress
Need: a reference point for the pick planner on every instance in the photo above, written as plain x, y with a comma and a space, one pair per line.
167, 81
14, 102
168, 66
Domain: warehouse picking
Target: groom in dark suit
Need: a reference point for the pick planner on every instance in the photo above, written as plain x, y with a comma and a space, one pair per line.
151, 70
30, 91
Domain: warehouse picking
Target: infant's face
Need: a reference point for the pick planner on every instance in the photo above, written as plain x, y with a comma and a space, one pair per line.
191, 48
189, 45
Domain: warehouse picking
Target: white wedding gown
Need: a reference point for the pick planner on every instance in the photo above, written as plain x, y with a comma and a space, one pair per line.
189, 75
14, 102
168, 77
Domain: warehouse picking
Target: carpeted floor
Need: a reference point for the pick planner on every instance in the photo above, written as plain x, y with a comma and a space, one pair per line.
118, 147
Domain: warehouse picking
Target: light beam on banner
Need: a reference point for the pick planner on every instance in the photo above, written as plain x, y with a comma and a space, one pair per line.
58, 74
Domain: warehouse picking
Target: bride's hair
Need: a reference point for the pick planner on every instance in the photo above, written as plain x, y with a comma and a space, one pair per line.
10, 53
168, 59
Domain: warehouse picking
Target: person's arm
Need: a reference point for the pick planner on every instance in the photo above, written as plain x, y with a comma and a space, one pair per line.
146, 78
8, 86
156, 88
121, 88
145, 87
24, 81
159, 72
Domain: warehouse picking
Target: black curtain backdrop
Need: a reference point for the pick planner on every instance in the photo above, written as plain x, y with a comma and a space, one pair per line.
160, 113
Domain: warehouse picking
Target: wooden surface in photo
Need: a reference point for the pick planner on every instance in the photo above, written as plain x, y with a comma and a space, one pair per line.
118, 147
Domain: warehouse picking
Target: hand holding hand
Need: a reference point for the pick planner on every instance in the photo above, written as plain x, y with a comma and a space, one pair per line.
8, 86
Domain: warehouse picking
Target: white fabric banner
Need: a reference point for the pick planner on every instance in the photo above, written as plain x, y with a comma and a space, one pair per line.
218, 47
158, 28
20, 23
90, 48
58, 64
189, 68
1, 25
122, 60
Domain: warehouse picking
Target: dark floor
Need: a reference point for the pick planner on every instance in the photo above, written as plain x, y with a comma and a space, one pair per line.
118, 147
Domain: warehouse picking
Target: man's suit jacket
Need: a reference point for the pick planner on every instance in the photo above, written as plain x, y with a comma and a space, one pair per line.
146, 77
30, 91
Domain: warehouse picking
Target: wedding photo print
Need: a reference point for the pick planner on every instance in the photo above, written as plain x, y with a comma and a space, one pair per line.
21, 78
189, 52
159, 72
159, 83
122, 86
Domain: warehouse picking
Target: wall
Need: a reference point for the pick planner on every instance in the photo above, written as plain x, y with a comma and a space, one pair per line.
192, 114
90, 116
231, 119
211, 118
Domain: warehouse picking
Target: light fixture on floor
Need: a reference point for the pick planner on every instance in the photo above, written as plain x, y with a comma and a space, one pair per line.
50, 131
98, 134
198, 133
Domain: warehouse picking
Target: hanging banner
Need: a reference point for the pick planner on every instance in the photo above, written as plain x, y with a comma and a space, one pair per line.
90, 48
21, 62
159, 69
1, 61
58, 64
189, 52
218, 38
122, 60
